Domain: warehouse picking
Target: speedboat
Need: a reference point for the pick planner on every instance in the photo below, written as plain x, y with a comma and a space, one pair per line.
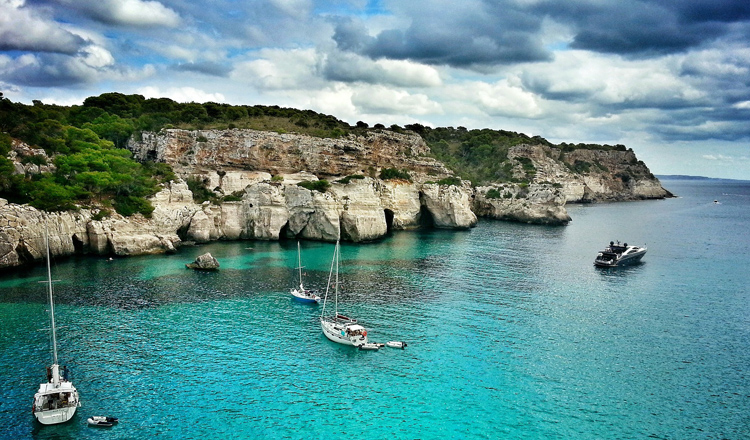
617, 254
396, 344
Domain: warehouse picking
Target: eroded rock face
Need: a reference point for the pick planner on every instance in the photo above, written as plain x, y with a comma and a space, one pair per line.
362, 216
203, 152
538, 204
603, 175
23, 230
449, 206
400, 200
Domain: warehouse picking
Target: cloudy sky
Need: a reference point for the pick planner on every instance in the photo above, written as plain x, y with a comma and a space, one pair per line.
668, 78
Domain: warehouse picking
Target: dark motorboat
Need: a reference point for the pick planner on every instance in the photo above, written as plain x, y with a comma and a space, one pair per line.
617, 254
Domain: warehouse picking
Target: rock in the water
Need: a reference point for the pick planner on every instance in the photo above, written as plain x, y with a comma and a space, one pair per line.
204, 262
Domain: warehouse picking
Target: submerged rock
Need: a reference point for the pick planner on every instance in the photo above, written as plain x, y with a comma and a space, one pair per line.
204, 262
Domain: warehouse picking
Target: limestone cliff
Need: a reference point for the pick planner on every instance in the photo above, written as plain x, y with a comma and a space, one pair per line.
591, 175
247, 153
261, 171
536, 203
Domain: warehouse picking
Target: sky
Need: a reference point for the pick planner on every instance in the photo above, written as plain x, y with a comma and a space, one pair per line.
668, 78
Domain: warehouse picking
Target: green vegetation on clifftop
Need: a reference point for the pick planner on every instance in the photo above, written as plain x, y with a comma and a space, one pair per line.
481, 156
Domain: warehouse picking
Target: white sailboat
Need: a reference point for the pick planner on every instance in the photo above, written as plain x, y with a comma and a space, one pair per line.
57, 399
301, 294
337, 327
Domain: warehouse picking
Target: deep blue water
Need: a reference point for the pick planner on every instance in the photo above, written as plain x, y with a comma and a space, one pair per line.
512, 333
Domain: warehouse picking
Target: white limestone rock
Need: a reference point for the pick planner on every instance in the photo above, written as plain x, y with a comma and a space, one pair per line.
362, 217
449, 206
538, 204
401, 199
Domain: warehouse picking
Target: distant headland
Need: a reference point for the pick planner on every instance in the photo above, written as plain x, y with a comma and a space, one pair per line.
686, 177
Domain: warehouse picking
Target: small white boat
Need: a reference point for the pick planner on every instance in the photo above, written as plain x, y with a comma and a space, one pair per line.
371, 346
396, 344
102, 421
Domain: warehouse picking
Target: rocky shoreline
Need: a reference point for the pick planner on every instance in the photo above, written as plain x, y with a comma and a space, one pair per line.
262, 170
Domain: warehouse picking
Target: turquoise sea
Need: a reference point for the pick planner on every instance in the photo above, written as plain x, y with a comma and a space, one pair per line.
512, 333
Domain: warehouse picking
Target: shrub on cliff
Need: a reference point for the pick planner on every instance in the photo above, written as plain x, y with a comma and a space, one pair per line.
200, 192
450, 181
321, 185
348, 179
393, 173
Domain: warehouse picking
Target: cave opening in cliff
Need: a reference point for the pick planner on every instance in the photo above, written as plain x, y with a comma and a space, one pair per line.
285, 233
182, 232
388, 220
425, 218
77, 244
24, 255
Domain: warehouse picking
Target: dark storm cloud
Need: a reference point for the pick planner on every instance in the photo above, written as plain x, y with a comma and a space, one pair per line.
694, 126
205, 68
463, 37
29, 30
486, 33
646, 27
49, 70
131, 13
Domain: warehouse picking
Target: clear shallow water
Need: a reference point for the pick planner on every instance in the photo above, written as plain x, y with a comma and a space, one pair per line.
512, 334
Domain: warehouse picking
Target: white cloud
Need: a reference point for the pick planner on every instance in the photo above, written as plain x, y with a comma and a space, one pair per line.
502, 98
350, 68
335, 101
720, 157
96, 57
611, 80
727, 61
383, 100
294, 8
137, 13
27, 29
181, 94
280, 69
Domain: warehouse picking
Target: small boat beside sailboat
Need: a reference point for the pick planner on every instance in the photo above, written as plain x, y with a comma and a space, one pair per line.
57, 399
301, 294
396, 344
337, 327
102, 421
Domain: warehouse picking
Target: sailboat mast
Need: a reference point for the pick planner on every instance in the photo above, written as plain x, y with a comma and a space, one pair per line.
51, 302
328, 286
299, 264
337, 280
